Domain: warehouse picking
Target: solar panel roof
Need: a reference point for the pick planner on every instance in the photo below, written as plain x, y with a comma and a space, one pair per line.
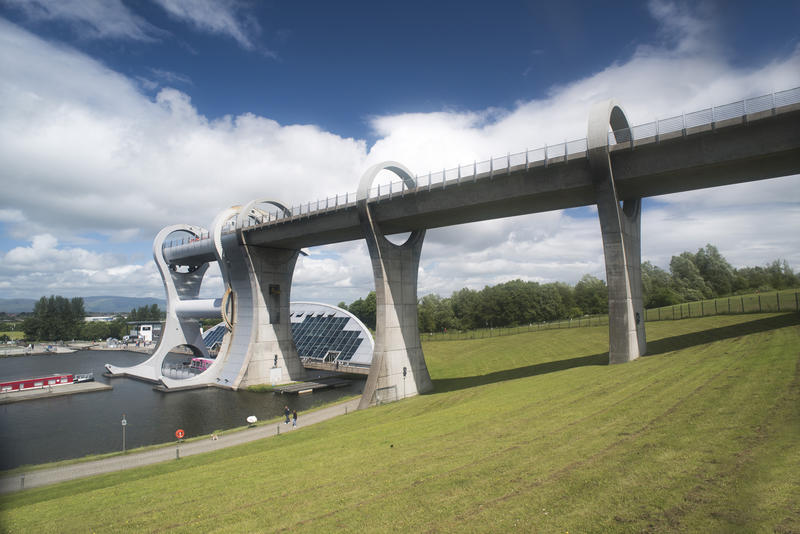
320, 332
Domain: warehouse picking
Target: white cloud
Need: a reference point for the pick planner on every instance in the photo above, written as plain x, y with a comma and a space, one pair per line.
48, 267
83, 151
222, 17
91, 19
95, 155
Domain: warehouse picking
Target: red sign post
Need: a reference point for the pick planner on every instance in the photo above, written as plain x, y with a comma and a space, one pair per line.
179, 433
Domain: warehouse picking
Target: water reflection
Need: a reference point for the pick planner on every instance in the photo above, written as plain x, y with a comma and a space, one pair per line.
72, 426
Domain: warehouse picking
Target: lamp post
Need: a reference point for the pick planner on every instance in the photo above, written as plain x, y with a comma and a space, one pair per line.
124, 424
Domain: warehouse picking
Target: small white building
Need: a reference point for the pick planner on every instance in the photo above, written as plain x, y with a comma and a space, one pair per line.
147, 331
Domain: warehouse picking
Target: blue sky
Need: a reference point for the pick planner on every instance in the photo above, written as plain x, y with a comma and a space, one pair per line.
122, 117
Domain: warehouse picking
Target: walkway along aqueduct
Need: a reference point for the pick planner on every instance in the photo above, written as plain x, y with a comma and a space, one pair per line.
257, 245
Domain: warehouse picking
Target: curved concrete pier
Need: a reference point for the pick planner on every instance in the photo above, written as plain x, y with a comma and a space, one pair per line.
621, 230
398, 365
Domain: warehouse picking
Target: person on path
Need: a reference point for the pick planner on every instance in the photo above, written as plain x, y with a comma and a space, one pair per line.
286, 413
294, 418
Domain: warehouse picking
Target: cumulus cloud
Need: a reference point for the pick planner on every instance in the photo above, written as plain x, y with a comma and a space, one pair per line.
103, 157
92, 154
46, 266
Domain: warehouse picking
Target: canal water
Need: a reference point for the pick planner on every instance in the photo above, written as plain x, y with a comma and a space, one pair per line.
71, 426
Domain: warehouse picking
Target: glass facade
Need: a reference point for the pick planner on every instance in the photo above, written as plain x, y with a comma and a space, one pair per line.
320, 332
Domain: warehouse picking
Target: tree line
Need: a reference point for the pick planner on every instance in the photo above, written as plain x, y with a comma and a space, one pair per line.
692, 276
56, 318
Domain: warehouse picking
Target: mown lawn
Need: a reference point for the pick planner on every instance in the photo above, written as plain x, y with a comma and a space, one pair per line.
532, 432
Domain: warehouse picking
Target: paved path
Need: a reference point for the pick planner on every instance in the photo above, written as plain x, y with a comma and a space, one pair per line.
43, 477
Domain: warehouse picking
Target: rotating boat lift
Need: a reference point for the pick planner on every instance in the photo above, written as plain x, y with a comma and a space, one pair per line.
258, 347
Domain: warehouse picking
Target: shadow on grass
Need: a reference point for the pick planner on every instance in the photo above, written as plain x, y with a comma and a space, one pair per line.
452, 384
684, 341
654, 348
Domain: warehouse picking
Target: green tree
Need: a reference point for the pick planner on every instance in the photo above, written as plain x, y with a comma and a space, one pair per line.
657, 287
780, 275
715, 270
365, 310
591, 295
464, 304
686, 278
55, 319
435, 314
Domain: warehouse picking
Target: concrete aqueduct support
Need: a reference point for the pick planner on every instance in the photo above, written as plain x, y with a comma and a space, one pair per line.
261, 280
398, 367
183, 308
621, 229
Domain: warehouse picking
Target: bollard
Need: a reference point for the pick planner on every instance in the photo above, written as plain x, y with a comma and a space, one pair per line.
279, 430
177, 452
22, 482
345, 410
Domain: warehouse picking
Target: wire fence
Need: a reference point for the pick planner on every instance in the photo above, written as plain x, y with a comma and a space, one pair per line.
684, 124
778, 301
484, 333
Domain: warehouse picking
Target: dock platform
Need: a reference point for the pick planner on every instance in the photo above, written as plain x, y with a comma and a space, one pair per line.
52, 391
301, 388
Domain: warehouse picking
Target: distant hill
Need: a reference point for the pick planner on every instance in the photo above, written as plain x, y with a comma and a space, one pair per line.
90, 304
16, 305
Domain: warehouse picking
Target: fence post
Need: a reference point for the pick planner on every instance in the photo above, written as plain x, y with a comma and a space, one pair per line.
729, 304
778, 299
742, 310
759, 303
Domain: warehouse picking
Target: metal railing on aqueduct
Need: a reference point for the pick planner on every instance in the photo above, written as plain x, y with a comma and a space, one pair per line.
683, 124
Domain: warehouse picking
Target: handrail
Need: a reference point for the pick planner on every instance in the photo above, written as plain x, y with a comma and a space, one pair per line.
685, 124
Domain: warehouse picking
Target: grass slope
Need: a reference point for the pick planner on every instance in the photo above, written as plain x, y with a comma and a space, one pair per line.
531, 432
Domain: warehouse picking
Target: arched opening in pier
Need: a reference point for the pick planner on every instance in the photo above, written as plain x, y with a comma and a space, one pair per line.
185, 361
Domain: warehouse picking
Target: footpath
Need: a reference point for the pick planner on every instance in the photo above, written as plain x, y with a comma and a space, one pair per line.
44, 477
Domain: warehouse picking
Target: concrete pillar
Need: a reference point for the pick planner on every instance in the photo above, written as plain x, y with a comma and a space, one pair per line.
181, 285
620, 226
398, 367
272, 356
260, 349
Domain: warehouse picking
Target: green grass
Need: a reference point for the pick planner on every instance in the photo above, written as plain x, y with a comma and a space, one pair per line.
532, 432
14, 334
785, 300
768, 301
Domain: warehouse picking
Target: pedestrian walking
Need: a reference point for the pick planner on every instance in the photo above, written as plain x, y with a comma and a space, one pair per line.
294, 418
286, 414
